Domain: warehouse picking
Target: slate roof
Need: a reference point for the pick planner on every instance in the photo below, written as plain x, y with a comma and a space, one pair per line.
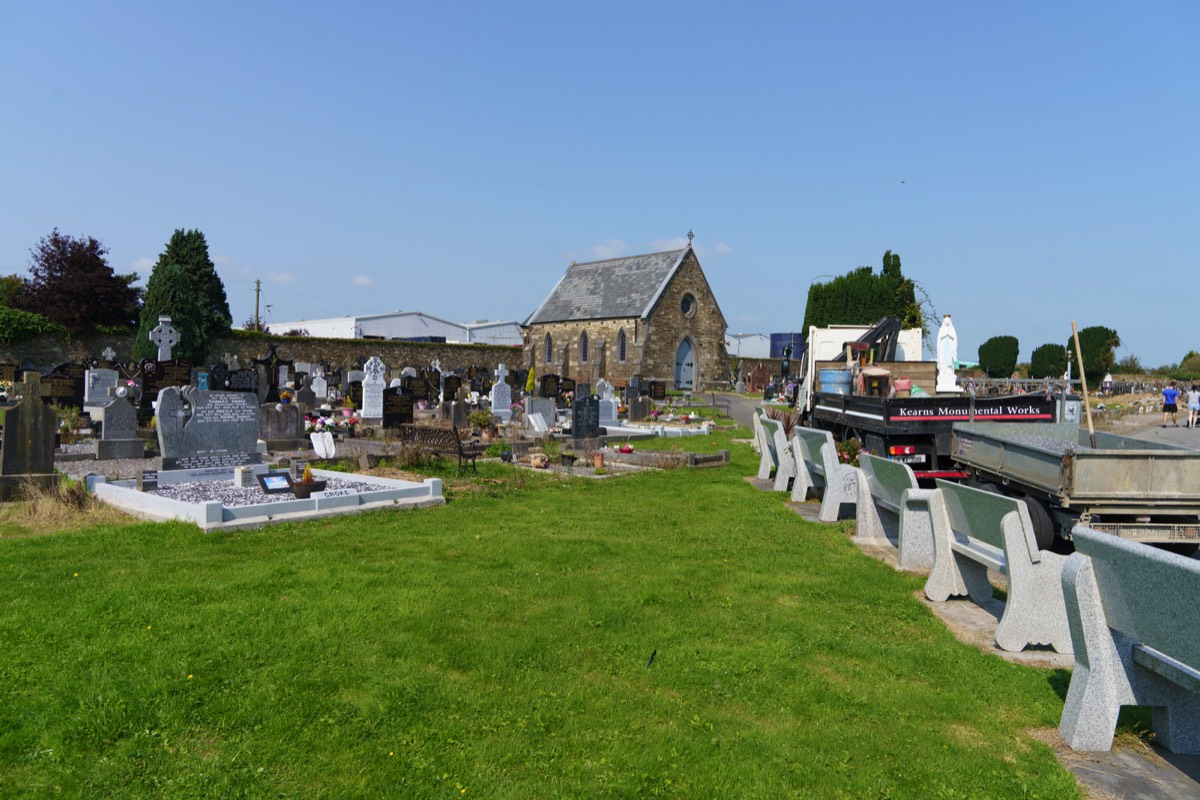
617, 287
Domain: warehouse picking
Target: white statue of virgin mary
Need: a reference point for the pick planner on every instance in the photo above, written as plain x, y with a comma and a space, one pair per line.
947, 357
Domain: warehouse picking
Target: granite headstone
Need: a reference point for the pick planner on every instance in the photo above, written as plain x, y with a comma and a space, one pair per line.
201, 430
27, 452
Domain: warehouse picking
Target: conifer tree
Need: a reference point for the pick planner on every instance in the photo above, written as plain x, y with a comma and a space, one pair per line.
185, 287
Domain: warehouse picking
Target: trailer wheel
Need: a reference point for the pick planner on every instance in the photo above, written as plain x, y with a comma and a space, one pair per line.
1043, 526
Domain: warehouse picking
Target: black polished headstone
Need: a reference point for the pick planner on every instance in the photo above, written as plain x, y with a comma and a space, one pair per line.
269, 366
585, 417
354, 390
159, 375
217, 375
397, 407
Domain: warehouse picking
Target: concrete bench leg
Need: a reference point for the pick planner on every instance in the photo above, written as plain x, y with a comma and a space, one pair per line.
915, 530
868, 525
840, 487
1099, 684
766, 464
786, 471
952, 575
1035, 612
803, 481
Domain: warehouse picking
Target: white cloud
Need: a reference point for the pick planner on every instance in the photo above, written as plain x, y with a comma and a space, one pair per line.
281, 278
143, 266
610, 249
363, 281
234, 270
677, 243
723, 249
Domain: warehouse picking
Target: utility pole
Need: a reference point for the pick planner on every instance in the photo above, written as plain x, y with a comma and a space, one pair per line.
257, 291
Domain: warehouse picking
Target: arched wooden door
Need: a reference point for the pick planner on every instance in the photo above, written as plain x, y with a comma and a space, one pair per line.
684, 365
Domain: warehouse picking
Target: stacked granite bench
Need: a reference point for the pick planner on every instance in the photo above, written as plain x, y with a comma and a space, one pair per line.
974, 531
785, 461
768, 461
891, 505
818, 468
1133, 618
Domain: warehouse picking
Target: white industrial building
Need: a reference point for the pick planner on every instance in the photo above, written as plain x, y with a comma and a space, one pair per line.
405, 325
748, 345
484, 332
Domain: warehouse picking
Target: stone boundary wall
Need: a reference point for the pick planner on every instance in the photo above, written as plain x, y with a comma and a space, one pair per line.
44, 352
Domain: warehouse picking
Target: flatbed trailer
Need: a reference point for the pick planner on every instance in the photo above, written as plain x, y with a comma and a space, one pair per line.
917, 430
1135, 489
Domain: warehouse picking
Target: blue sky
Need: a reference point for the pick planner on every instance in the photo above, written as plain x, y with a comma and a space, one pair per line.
1032, 163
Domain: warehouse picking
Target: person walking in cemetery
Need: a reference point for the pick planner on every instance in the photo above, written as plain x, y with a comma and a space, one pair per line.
1193, 405
1170, 404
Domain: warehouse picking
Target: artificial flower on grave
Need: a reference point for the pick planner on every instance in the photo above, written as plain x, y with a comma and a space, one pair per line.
285, 395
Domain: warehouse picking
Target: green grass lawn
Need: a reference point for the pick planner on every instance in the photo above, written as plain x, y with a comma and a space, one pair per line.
500, 646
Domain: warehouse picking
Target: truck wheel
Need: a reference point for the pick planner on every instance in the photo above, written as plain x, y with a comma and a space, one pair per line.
1043, 526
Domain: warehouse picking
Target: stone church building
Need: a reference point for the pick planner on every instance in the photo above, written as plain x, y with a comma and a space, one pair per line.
653, 316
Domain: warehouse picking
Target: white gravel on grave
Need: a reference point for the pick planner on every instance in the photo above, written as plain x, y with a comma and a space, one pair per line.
231, 496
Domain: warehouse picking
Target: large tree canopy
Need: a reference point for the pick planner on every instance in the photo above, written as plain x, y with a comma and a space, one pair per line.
1097, 344
185, 287
998, 356
71, 283
861, 297
1048, 361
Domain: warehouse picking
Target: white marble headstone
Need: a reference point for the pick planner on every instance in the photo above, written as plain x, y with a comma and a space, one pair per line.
319, 386
322, 443
608, 412
501, 395
373, 386
96, 384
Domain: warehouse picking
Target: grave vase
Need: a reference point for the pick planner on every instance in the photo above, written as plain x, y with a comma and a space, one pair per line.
304, 490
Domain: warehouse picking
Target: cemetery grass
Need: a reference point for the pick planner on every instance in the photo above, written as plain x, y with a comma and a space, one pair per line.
666, 634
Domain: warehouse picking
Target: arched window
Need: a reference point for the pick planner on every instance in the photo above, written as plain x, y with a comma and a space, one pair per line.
621, 345
583, 347
549, 350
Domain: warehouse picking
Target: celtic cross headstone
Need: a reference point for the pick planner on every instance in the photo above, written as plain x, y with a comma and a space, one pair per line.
165, 337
